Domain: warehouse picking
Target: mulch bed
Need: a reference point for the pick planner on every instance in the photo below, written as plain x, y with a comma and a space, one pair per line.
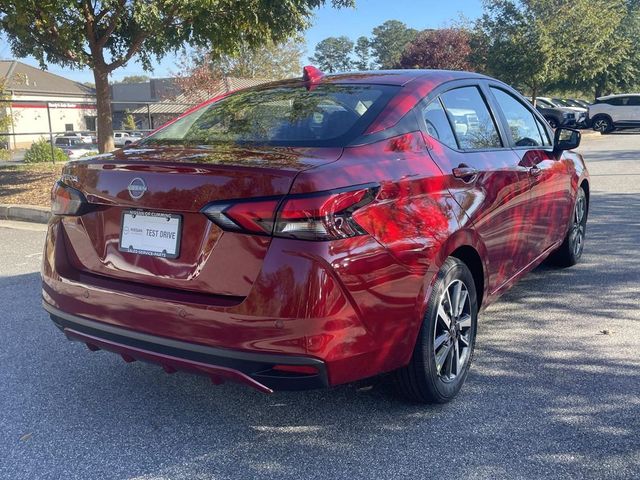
28, 184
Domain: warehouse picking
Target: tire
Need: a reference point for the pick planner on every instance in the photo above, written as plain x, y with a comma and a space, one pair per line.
602, 124
569, 253
430, 377
553, 123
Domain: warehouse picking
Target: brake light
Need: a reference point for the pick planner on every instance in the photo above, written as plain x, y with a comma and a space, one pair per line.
66, 200
317, 216
323, 216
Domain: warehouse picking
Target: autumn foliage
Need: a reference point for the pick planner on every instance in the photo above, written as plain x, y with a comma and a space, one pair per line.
447, 48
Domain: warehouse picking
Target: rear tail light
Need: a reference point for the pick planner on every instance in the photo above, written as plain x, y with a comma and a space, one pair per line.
317, 216
322, 216
253, 216
66, 200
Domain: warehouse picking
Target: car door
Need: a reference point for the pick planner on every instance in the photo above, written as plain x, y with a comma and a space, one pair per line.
549, 204
482, 174
634, 105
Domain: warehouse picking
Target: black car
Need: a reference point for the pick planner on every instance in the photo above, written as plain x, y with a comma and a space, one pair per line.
556, 116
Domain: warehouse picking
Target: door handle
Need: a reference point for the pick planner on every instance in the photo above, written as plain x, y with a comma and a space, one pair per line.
535, 171
464, 172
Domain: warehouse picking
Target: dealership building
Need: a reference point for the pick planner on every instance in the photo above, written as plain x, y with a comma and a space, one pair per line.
39, 102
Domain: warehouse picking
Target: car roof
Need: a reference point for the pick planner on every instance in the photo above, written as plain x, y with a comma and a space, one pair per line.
382, 77
399, 77
619, 95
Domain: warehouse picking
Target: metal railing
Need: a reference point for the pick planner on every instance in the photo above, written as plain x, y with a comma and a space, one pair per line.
27, 127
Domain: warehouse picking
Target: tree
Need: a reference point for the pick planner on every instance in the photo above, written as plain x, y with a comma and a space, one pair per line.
104, 35
446, 49
363, 53
202, 73
388, 42
266, 61
5, 119
556, 44
588, 38
333, 54
128, 122
514, 47
624, 74
134, 79
607, 61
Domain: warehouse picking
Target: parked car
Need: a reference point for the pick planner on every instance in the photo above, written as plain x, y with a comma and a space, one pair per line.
316, 231
74, 147
121, 139
556, 116
581, 112
615, 111
583, 103
84, 137
572, 102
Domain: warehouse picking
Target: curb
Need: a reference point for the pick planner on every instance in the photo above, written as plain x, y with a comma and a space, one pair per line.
25, 213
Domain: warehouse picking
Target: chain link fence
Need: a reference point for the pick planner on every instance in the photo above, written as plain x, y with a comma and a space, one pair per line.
72, 126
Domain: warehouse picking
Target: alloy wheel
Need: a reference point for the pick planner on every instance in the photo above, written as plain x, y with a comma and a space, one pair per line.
578, 226
601, 125
452, 332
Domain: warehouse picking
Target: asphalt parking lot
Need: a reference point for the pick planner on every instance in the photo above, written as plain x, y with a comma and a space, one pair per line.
554, 391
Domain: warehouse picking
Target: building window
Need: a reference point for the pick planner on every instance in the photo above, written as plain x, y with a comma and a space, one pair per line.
68, 127
90, 123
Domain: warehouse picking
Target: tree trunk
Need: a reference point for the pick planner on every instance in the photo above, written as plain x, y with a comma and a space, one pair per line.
600, 87
103, 101
534, 95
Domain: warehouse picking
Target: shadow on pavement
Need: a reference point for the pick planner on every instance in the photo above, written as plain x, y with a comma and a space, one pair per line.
549, 395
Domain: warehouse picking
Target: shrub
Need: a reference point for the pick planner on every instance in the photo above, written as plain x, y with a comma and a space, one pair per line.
40, 152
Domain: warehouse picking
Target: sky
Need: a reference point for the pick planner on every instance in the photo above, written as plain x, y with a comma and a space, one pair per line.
361, 20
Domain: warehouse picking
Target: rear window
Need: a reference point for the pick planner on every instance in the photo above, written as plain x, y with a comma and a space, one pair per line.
327, 115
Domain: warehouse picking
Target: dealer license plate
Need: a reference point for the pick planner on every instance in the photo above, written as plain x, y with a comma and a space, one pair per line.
150, 233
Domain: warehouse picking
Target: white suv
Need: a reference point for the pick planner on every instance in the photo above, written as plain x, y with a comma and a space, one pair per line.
615, 111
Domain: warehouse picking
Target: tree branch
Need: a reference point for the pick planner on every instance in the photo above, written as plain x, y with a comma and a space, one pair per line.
113, 23
133, 49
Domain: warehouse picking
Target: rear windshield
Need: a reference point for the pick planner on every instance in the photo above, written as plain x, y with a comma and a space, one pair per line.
327, 115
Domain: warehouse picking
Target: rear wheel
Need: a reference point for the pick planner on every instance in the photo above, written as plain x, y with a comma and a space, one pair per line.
602, 124
570, 251
444, 348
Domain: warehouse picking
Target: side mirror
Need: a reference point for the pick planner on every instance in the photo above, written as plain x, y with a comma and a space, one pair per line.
566, 139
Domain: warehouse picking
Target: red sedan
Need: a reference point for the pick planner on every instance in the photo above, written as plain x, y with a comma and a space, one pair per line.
313, 232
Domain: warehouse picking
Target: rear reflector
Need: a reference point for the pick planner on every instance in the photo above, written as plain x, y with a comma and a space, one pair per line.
303, 369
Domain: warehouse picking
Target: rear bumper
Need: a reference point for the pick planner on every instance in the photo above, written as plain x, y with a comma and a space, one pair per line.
253, 369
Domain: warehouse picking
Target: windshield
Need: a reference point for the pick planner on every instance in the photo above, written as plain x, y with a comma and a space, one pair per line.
561, 103
327, 115
543, 103
573, 103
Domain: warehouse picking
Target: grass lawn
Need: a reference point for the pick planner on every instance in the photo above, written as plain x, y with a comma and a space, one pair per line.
29, 183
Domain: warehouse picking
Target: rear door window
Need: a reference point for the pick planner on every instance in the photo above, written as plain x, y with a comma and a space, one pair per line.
521, 121
472, 122
438, 125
